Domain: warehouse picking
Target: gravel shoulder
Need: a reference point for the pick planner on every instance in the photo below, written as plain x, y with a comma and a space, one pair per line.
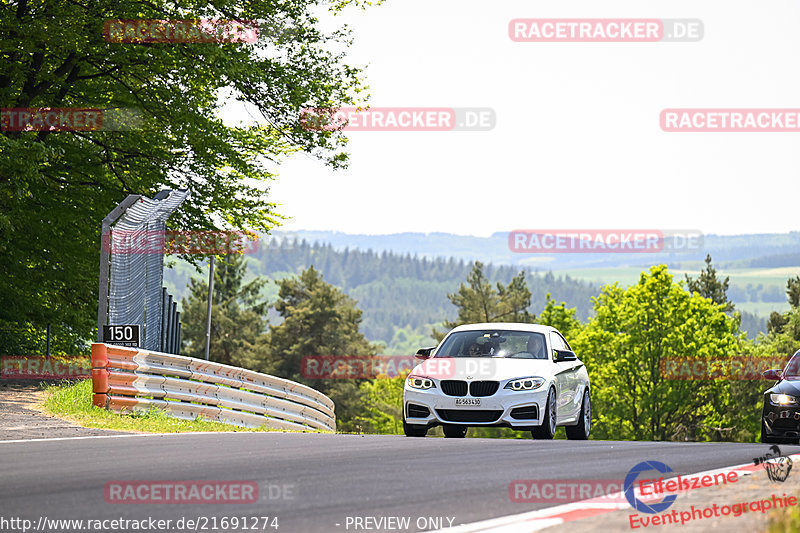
22, 417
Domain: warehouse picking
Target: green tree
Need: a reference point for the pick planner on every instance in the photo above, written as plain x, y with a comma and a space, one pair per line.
709, 286
383, 405
623, 346
560, 317
56, 187
407, 341
237, 317
793, 291
318, 319
478, 301
778, 321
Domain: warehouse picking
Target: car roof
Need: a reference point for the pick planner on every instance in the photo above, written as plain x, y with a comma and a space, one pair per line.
516, 326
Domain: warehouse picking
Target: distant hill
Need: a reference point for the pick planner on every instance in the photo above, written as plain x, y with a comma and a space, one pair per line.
756, 293
401, 281
762, 250
395, 292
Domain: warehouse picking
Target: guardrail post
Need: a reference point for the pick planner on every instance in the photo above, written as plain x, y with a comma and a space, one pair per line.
99, 375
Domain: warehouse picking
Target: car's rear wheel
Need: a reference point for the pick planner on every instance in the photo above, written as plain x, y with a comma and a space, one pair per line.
581, 430
548, 428
414, 431
454, 432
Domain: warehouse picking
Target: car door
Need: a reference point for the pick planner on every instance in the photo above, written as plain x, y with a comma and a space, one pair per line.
564, 380
577, 383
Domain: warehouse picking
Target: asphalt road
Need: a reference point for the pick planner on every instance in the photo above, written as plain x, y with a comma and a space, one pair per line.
314, 482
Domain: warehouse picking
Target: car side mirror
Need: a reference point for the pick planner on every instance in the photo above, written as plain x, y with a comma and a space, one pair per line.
773, 373
424, 353
565, 355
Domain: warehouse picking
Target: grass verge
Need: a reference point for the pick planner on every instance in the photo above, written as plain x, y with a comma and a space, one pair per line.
783, 520
73, 401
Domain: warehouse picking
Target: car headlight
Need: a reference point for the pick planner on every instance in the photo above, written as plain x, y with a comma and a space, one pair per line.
418, 382
782, 399
531, 383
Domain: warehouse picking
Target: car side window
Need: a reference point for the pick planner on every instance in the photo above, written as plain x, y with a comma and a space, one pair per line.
793, 366
557, 342
563, 340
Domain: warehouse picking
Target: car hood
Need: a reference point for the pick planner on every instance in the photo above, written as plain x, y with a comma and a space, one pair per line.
787, 386
488, 368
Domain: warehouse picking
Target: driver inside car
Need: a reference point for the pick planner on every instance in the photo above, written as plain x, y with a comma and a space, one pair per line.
536, 347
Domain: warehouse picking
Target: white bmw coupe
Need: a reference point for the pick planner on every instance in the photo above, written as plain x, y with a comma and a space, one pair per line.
522, 376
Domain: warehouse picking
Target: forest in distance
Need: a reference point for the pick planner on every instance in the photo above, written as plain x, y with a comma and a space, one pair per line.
403, 296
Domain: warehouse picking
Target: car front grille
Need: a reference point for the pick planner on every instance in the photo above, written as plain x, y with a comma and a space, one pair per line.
478, 389
483, 388
468, 415
453, 387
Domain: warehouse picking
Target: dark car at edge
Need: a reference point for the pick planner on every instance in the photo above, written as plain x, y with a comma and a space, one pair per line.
780, 417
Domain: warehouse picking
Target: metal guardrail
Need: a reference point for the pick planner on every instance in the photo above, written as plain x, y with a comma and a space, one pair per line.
135, 380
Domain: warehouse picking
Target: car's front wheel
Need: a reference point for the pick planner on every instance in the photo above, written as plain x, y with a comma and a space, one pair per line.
414, 431
581, 430
454, 432
548, 428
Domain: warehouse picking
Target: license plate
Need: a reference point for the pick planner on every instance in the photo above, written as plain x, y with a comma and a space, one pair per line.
468, 401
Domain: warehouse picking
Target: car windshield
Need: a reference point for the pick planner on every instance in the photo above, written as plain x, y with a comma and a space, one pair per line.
494, 343
792, 370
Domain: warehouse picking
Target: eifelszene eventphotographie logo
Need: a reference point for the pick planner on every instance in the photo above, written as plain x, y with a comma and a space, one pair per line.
630, 484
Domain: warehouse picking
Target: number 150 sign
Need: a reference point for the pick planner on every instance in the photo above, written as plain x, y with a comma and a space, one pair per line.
122, 335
